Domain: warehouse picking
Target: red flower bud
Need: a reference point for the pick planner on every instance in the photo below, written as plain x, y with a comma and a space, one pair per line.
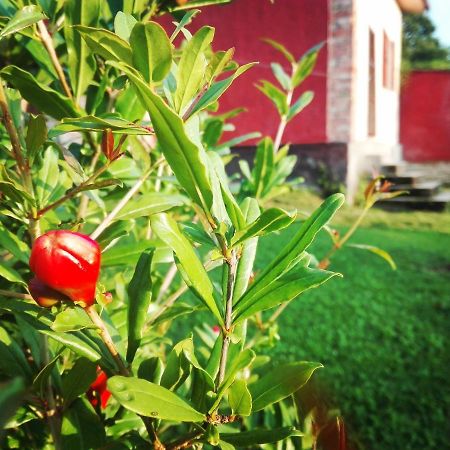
43, 295
67, 262
98, 390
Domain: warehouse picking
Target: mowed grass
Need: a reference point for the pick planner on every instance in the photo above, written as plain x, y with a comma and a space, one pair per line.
383, 335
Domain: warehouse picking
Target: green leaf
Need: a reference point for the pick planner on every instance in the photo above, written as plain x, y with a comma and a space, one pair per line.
106, 44
16, 246
149, 399
281, 48
292, 253
127, 253
304, 100
71, 319
282, 77
74, 343
151, 369
284, 289
36, 135
217, 64
81, 427
47, 177
40, 381
10, 274
178, 365
92, 123
191, 68
42, 97
274, 94
231, 206
259, 436
23, 18
123, 25
250, 210
306, 65
272, 219
264, 166
101, 184
152, 51
199, 4
11, 397
194, 273
377, 251
239, 398
81, 63
281, 382
139, 298
78, 380
12, 357
148, 204
217, 89
184, 157
186, 20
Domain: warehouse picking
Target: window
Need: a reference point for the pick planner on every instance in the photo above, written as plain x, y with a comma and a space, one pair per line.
388, 63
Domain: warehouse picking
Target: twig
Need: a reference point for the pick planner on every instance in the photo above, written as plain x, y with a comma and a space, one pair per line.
48, 44
186, 441
15, 295
282, 124
127, 197
106, 337
232, 267
12, 132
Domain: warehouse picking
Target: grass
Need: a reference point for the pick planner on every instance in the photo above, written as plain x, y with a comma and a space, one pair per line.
382, 335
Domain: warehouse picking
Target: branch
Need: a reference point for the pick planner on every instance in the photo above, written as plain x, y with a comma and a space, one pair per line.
48, 44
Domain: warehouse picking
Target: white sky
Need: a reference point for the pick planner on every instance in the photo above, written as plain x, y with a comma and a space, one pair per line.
439, 12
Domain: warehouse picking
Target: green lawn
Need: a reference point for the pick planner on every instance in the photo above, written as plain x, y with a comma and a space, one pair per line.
383, 335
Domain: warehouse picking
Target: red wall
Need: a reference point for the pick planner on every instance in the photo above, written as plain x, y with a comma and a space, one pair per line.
425, 116
299, 25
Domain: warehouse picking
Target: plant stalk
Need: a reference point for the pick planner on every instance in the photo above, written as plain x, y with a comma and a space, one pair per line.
48, 44
232, 268
126, 198
12, 132
282, 124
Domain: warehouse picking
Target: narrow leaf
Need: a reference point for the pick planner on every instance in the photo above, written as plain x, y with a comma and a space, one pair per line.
152, 51
193, 271
191, 68
123, 25
11, 397
23, 18
139, 298
306, 65
281, 382
42, 97
36, 135
106, 44
281, 48
184, 157
239, 398
304, 100
149, 399
377, 251
78, 380
274, 94
272, 219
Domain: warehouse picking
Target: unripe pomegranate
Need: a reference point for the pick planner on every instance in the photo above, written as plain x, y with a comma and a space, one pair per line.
67, 262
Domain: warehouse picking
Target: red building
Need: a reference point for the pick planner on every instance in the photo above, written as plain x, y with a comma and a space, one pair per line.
353, 122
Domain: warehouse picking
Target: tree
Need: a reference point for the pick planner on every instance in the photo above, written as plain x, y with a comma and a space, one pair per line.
421, 49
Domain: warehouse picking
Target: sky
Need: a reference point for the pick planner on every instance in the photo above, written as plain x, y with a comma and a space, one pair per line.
440, 15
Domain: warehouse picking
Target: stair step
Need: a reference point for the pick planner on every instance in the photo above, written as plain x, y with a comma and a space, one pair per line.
437, 202
418, 189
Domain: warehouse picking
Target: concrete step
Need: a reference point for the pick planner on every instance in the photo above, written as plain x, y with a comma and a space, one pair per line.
437, 202
418, 189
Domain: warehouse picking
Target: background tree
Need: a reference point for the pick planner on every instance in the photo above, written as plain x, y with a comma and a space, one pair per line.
421, 49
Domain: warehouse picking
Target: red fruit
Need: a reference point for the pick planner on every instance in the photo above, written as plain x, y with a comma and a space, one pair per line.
44, 295
67, 262
98, 390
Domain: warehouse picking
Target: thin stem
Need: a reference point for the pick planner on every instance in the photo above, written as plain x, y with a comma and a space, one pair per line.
232, 268
186, 441
15, 295
282, 124
48, 44
73, 192
106, 338
170, 275
12, 132
127, 197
